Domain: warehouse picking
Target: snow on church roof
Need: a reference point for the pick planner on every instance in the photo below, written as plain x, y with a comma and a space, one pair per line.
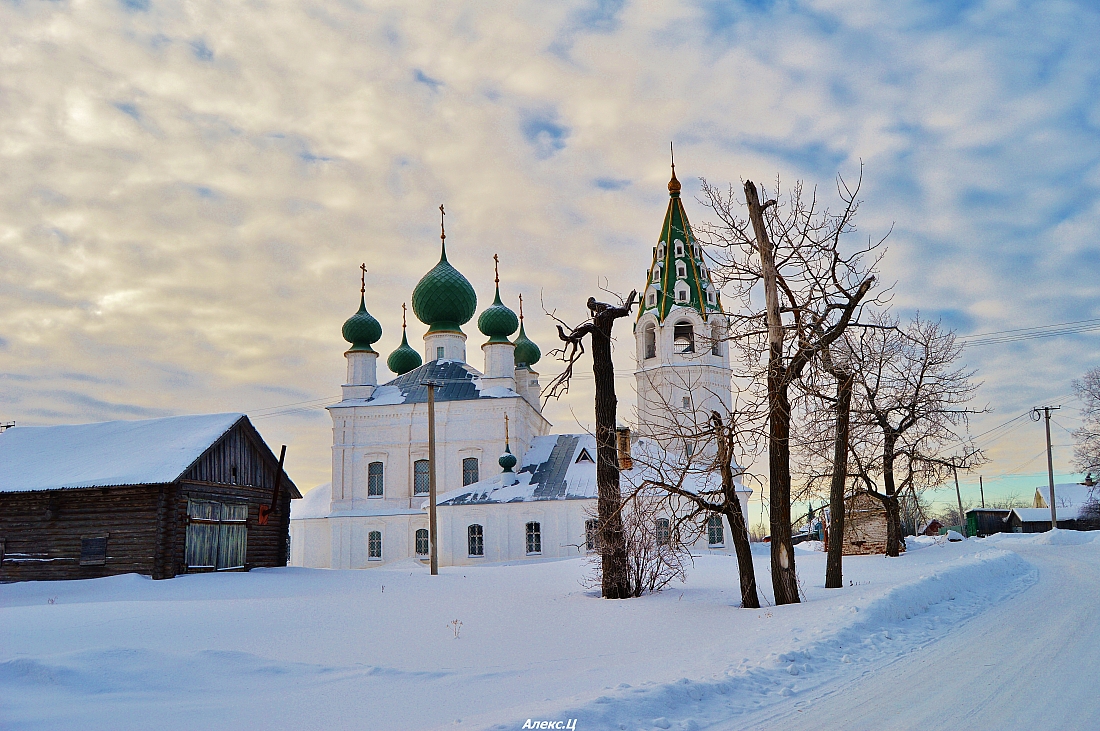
144, 452
460, 382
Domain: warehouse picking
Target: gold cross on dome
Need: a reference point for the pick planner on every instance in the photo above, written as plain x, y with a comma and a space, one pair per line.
363, 279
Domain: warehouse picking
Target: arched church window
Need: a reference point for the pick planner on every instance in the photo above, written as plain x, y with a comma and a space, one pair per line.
716, 336
591, 534
422, 542
650, 341
534, 538
469, 471
683, 338
716, 534
421, 477
374, 545
475, 535
375, 485
664, 532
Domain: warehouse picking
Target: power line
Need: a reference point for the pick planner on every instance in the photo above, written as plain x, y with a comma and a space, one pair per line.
1031, 333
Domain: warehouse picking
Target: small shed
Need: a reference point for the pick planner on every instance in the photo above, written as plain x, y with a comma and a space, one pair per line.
987, 521
864, 525
931, 528
1037, 520
157, 496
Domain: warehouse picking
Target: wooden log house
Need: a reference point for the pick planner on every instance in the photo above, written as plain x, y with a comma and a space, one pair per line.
159, 497
864, 525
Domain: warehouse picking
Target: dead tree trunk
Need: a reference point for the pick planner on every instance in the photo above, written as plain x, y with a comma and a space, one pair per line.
615, 574
784, 577
834, 573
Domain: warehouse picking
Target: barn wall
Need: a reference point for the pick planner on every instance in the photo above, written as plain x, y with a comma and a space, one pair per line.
41, 531
864, 526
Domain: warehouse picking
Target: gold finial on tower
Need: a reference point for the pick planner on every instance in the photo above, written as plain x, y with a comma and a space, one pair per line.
363, 279
674, 184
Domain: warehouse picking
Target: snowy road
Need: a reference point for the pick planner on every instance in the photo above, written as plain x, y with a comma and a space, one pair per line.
1027, 663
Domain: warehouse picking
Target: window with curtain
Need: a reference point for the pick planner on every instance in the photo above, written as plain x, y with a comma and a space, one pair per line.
422, 542
217, 535
534, 538
374, 479
475, 535
716, 534
421, 477
469, 471
374, 545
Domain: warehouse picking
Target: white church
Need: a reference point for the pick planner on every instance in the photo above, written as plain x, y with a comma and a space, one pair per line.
509, 489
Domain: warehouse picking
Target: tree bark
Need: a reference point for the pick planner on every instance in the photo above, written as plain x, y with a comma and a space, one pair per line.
834, 573
616, 572
890, 504
739, 531
784, 577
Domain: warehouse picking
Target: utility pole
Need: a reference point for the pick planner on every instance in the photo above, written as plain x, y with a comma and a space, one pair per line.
431, 477
958, 496
1035, 416
982, 488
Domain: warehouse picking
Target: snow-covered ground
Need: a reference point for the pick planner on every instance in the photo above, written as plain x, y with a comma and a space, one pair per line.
317, 649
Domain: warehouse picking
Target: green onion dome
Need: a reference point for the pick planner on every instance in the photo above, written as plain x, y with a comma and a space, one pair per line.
444, 300
497, 321
404, 359
527, 353
361, 329
507, 460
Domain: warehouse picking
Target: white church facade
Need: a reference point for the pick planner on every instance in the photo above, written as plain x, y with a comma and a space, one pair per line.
508, 488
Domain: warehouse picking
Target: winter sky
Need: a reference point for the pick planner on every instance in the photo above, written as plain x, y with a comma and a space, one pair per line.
187, 189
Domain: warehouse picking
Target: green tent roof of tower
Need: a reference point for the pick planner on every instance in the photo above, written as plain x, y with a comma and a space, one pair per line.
444, 300
361, 329
404, 359
498, 321
678, 266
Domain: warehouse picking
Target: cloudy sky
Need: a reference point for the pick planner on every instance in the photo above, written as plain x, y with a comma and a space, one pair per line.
187, 189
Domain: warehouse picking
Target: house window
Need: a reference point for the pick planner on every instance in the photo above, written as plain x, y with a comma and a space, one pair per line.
439, 353
374, 545
664, 532
591, 534
476, 539
716, 535
534, 538
422, 542
469, 471
421, 477
650, 341
683, 338
374, 479
217, 535
93, 551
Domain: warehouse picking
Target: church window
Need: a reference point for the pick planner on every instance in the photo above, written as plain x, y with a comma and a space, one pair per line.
679, 248
716, 535
683, 338
422, 542
476, 538
439, 352
682, 295
591, 534
652, 299
421, 477
687, 402
374, 545
664, 532
710, 297
374, 479
681, 271
650, 341
469, 471
534, 538
716, 346
661, 251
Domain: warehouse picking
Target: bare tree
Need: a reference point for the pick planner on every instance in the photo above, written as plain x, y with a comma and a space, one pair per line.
813, 291
616, 582
913, 393
1087, 451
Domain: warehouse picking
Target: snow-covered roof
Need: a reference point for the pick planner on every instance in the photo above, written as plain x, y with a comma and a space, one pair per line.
563, 467
144, 452
460, 382
1065, 494
1042, 515
314, 503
